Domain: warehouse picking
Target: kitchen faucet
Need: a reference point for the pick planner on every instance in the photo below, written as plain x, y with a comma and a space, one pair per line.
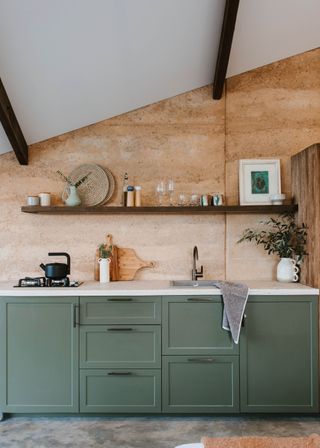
195, 273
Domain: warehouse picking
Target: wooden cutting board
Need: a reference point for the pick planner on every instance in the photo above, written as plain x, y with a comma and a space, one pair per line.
124, 262
129, 263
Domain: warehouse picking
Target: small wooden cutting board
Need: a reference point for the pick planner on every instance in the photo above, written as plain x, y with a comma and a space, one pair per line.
125, 263
129, 263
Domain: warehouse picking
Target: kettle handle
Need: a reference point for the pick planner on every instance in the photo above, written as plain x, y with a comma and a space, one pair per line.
62, 254
42, 266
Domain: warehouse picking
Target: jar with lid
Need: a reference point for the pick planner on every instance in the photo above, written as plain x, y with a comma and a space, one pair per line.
130, 196
137, 199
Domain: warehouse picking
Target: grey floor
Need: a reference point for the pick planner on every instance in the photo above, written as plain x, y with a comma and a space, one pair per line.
140, 432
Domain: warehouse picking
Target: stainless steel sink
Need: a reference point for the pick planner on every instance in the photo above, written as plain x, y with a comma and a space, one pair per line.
193, 283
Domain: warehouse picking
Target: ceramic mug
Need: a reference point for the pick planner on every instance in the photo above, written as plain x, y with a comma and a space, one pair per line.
33, 200
45, 199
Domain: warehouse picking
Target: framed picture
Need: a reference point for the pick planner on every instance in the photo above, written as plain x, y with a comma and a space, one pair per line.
258, 179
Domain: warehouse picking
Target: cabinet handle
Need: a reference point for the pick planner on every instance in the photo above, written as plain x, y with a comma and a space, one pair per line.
120, 329
120, 373
75, 320
201, 360
198, 299
121, 299
243, 322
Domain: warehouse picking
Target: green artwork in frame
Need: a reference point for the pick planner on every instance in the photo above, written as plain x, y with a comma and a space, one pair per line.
260, 182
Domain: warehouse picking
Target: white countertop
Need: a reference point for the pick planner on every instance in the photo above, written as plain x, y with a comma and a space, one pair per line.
153, 287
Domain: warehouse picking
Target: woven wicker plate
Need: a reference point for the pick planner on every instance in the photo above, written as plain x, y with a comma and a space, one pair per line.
96, 189
112, 184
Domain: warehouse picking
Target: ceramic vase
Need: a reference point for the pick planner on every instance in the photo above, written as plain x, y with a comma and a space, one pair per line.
287, 270
104, 267
70, 196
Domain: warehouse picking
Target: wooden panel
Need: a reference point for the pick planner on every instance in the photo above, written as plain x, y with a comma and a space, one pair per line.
210, 210
228, 25
12, 128
200, 384
279, 355
305, 175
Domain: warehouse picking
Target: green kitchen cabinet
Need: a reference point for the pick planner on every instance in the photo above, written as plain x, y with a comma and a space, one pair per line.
192, 325
279, 355
200, 384
120, 310
39, 354
120, 346
118, 390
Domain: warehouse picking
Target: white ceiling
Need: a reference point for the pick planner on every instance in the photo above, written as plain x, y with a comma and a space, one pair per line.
269, 30
69, 63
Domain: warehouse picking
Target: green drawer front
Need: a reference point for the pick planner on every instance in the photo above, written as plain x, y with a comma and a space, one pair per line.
193, 325
120, 391
120, 310
120, 346
200, 384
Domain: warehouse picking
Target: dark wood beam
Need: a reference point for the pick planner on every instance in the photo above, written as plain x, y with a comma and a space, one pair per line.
228, 25
11, 126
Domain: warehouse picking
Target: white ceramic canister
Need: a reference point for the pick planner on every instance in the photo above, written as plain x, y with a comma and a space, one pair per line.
287, 270
104, 265
45, 199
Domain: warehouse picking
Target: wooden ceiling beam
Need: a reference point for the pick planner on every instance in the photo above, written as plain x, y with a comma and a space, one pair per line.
11, 126
228, 25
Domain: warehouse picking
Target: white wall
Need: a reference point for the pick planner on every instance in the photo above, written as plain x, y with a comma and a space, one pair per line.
5, 145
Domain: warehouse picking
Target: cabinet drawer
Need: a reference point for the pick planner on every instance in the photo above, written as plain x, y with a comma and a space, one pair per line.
120, 346
120, 310
200, 384
193, 325
120, 391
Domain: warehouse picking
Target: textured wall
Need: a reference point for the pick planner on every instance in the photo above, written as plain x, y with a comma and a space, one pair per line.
273, 112
182, 137
269, 112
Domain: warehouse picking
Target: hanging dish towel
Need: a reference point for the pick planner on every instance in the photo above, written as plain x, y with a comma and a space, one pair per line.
235, 296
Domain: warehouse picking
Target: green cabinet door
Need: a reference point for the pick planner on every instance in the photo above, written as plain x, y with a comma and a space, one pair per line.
193, 326
120, 390
120, 346
120, 310
278, 355
200, 384
39, 354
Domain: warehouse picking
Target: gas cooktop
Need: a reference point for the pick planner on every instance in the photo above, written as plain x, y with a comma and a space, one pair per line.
44, 282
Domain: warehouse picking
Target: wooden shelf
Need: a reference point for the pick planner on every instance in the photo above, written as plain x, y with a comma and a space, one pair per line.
109, 210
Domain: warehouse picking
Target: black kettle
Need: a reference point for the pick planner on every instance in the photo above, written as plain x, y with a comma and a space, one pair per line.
57, 271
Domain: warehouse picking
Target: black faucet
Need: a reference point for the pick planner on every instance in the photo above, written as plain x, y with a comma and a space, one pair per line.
195, 273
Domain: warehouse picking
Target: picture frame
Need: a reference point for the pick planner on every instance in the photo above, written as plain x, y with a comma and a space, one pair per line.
258, 180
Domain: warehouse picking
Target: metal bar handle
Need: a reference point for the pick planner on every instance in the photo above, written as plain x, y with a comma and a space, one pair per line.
120, 329
121, 299
198, 299
201, 360
120, 373
75, 321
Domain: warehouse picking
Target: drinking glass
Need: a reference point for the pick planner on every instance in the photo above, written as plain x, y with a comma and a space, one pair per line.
171, 191
183, 199
160, 190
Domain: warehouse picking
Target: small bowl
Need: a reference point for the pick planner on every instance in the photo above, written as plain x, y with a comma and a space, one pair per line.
277, 199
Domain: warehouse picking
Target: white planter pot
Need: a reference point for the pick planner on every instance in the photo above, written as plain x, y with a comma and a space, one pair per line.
287, 270
104, 270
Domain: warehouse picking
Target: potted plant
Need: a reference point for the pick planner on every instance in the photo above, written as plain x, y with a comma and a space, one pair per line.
105, 254
281, 236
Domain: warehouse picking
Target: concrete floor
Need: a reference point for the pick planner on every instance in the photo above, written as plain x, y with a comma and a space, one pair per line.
141, 432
